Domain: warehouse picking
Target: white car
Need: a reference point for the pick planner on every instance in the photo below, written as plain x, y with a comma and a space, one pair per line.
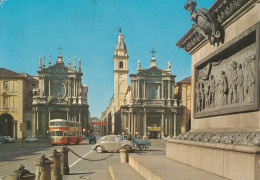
9, 139
31, 139
113, 143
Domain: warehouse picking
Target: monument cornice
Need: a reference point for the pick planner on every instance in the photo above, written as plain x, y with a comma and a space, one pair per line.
225, 12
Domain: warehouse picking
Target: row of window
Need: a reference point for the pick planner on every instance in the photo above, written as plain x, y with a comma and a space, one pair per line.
65, 124
65, 133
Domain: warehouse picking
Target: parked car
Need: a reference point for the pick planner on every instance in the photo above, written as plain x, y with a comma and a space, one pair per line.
9, 139
3, 139
141, 143
92, 138
113, 143
31, 139
84, 137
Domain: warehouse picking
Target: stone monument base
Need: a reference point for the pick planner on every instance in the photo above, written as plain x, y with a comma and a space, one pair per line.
239, 162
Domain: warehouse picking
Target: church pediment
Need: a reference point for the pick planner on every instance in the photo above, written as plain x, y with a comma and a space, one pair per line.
57, 69
154, 71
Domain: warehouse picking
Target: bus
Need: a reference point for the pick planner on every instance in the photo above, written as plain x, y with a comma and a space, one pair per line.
65, 132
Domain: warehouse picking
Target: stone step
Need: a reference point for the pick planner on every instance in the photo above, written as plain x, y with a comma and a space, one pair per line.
101, 175
123, 172
162, 168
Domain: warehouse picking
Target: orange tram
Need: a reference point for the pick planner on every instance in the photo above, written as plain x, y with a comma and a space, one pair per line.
65, 132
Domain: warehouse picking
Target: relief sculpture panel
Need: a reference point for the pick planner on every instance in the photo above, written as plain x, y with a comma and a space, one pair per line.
227, 85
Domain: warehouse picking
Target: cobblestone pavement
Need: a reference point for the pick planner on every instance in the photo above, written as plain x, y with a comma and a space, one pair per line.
12, 155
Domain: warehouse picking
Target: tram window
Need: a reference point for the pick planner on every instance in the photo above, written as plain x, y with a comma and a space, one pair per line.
52, 133
67, 124
58, 123
59, 133
67, 133
52, 124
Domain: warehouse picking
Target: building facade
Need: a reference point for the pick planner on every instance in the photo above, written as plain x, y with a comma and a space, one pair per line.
150, 109
60, 95
146, 108
183, 93
16, 103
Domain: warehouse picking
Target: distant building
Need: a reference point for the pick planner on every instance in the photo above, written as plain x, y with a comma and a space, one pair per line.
16, 103
147, 107
60, 95
183, 93
95, 124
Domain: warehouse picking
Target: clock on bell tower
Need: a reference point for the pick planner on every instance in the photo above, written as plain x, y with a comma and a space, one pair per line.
120, 71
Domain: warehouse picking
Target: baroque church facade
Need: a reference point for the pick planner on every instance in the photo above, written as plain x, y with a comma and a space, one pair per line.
146, 108
60, 95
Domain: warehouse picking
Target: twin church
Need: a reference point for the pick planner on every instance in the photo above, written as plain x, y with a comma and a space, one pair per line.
147, 108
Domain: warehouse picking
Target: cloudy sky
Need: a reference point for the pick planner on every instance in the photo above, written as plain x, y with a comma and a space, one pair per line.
88, 29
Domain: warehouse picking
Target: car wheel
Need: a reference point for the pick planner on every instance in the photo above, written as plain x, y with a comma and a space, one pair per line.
142, 147
77, 141
99, 149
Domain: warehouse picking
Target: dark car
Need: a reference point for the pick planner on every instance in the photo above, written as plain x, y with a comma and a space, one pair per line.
92, 139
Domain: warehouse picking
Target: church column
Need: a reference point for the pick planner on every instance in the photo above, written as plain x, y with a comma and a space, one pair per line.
162, 125
144, 90
135, 119
74, 87
129, 122
132, 123
14, 129
169, 90
145, 125
163, 96
175, 124
49, 86
37, 120
138, 89
43, 86
80, 116
49, 115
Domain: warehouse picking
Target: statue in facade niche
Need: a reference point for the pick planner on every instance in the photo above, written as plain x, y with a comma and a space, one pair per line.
233, 77
205, 23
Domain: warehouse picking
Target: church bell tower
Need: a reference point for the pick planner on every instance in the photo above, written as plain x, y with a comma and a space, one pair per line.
120, 71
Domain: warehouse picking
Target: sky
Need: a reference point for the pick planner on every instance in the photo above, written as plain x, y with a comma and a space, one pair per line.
88, 29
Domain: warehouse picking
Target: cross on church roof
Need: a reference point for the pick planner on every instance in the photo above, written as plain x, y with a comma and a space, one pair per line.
153, 52
120, 30
60, 48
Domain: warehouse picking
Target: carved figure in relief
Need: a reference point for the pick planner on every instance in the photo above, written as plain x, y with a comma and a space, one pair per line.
212, 90
223, 87
207, 93
198, 97
233, 83
250, 89
240, 84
